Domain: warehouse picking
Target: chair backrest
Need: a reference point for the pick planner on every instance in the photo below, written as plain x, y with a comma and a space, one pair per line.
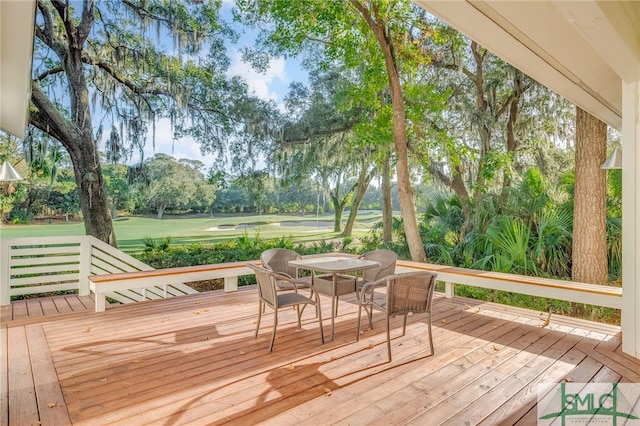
387, 259
266, 284
410, 292
277, 260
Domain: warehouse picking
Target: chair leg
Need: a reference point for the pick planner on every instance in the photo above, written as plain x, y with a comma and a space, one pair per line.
319, 315
388, 340
335, 314
433, 351
275, 324
359, 316
404, 324
261, 308
299, 312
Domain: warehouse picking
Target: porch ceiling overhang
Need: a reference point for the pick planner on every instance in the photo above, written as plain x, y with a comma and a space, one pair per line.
582, 50
16, 52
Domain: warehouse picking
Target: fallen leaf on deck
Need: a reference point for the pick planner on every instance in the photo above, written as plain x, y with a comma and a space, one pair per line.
327, 391
51, 404
88, 330
567, 380
104, 379
198, 302
443, 321
370, 346
467, 306
291, 366
197, 312
242, 352
495, 348
165, 319
136, 361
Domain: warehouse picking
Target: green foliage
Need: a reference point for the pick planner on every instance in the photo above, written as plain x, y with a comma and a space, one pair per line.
242, 248
156, 245
20, 217
177, 184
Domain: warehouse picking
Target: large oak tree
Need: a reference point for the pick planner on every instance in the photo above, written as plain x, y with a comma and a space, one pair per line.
122, 65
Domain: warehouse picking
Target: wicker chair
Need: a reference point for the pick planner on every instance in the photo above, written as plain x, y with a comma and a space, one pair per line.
277, 260
410, 292
269, 296
387, 259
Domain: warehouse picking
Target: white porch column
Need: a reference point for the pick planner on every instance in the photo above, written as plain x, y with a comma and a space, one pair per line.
631, 217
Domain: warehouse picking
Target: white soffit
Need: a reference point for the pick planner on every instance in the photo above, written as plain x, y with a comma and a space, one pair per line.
579, 49
16, 52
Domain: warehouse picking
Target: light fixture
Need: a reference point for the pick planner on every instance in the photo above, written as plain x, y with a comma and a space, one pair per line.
8, 173
614, 161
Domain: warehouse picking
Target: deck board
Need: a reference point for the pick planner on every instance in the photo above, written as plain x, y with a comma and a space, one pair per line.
4, 378
194, 360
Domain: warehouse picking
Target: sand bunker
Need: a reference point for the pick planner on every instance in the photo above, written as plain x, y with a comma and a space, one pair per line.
318, 226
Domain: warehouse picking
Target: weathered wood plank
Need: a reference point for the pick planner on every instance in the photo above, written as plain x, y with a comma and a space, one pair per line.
4, 378
34, 308
518, 405
6, 313
48, 306
23, 408
20, 310
51, 404
62, 305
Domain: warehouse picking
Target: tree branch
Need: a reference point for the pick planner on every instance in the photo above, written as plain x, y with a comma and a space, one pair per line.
87, 21
47, 73
46, 34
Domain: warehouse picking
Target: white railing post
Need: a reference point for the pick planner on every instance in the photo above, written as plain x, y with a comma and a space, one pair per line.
5, 272
86, 256
231, 284
449, 290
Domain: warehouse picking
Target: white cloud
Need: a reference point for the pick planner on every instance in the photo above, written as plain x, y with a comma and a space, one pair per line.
258, 82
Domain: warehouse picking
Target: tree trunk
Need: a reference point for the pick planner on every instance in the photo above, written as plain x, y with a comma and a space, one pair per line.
405, 190
364, 179
589, 252
387, 207
82, 149
338, 208
74, 131
160, 211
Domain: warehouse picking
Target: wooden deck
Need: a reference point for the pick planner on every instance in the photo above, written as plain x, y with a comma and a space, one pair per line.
46, 306
193, 360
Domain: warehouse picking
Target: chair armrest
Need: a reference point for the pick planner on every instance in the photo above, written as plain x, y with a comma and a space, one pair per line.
368, 288
284, 277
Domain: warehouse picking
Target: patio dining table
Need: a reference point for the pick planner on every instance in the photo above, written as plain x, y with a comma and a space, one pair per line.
338, 284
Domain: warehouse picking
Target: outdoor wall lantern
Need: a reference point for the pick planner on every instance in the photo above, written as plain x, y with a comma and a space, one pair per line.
614, 161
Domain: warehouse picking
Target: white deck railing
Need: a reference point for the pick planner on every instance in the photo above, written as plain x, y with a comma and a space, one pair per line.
50, 264
34, 265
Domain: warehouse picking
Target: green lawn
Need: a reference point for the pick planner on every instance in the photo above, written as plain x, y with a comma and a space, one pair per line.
131, 231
